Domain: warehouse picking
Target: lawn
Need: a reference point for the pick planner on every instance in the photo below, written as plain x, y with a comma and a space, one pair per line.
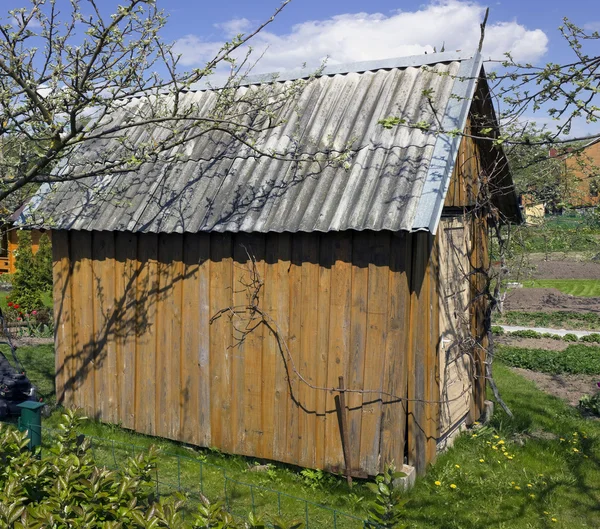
537, 470
573, 287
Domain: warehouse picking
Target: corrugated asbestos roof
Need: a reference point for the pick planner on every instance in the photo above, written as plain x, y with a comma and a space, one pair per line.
396, 180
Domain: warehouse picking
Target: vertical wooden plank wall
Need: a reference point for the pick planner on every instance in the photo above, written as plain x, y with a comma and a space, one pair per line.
339, 304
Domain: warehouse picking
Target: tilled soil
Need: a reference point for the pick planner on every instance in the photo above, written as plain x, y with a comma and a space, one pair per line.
547, 344
565, 269
548, 300
568, 387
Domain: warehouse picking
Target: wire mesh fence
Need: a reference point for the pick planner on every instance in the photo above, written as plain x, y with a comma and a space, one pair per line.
195, 477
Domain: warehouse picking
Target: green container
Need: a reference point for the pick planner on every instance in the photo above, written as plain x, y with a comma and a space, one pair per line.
31, 420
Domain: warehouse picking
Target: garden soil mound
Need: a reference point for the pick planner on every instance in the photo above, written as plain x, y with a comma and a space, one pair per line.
548, 300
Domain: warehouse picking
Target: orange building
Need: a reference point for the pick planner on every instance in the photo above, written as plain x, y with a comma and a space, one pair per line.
9, 242
582, 174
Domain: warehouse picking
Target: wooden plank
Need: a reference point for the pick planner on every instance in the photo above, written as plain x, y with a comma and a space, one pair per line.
252, 396
221, 286
416, 369
374, 368
397, 348
195, 376
83, 322
103, 268
339, 340
432, 373
270, 355
62, 318
294, 344
280, 258
168, 340
322, 347
361, 246
146, 283
308, 348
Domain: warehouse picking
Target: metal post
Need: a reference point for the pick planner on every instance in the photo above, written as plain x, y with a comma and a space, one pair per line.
31, 419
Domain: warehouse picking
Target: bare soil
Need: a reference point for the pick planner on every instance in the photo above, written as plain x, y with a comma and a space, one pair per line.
533, 343
567, 387
548, 300
565, 269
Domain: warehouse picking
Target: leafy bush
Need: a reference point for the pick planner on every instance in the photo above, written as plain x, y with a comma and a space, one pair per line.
387, 509
526, 333
33, 276
570, 337
594, 337
575, 359
497, 330
590, 403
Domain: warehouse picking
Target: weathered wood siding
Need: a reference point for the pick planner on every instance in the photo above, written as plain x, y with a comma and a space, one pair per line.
463, 246
135, 343
456, 383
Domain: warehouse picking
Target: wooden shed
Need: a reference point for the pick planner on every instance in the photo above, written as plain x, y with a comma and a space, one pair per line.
219, 300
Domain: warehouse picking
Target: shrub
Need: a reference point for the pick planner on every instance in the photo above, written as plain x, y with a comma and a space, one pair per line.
570, 337
497, 330
590, 403
34, 274
575, 359
594, 337
526, 333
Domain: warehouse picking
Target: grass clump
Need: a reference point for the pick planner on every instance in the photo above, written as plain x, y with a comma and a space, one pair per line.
575, 359
556, 320
573, 287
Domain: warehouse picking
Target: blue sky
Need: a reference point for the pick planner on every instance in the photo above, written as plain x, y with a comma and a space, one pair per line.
350, 30
308, 31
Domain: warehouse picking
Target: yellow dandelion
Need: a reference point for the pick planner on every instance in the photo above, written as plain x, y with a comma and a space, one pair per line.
482, 460
541, 475
554, 520
529, 485
575, 434
512, 482
452, 486
546, 512
437, 483
501, 442
575, 450
586, 457
496, 437
503, 448
476, 423
457, 466
474, 435
510, 457
532, 496
494, 447
562, 439
544, 483
517, 487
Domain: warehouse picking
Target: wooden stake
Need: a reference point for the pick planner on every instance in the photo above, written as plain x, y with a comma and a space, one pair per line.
345, 433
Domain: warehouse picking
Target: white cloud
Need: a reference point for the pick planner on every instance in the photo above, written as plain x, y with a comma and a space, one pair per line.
367, 36
234, 27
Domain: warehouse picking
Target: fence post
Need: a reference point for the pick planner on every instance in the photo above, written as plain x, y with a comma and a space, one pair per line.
31, 419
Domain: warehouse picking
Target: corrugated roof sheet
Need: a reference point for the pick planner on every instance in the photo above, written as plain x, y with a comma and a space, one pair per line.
396, 179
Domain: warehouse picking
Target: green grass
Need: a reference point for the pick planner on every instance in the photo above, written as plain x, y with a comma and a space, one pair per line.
575, 359
541, 439
573, 287
556, 320
552, 447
